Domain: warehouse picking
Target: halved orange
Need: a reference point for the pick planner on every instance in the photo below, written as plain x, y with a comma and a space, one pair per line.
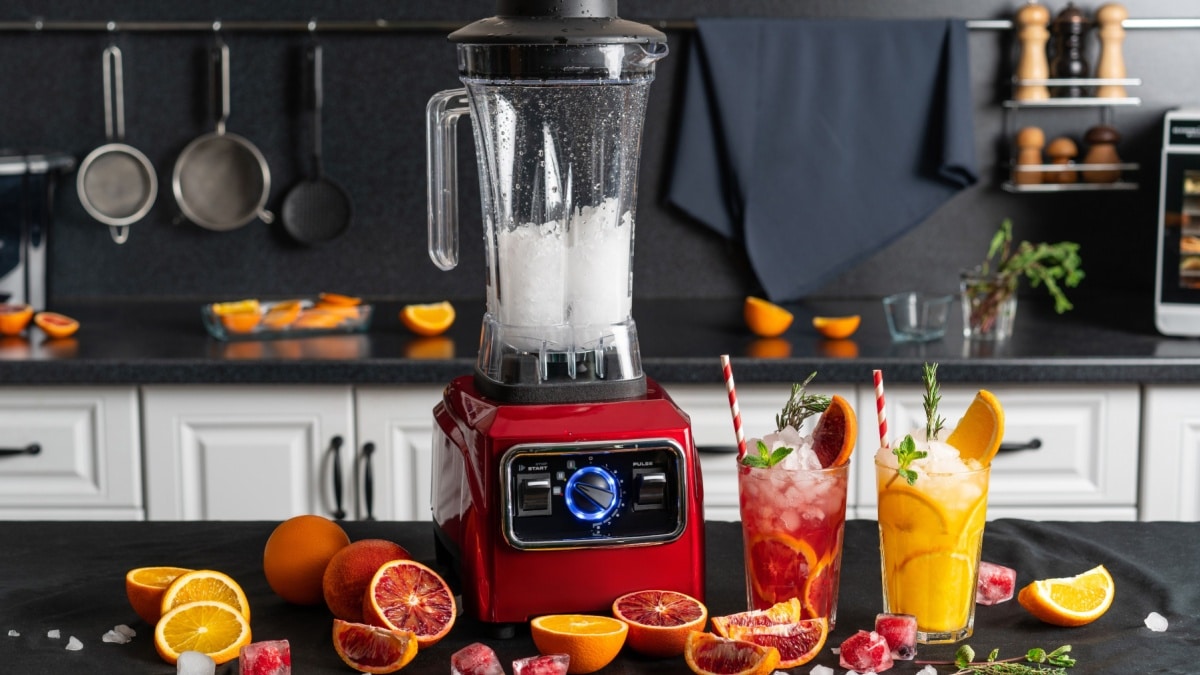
980, 431
205, 585
708, 654
337, 299
1070, 601
836, 433
145, 586
206, 626
659, 621
798, 642
56, 325
406, 595
836, 327
371, 649
780, 566
428, 319
591, 641
765, 318
14, 318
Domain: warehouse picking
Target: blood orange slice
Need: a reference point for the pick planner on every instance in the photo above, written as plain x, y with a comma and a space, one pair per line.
798, 642
788, 611
659, 621
371, 649
820, 591
406, 595
836, 433
708, 654
779, 567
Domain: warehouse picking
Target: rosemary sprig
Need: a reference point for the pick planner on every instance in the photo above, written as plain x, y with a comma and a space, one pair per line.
1053, 663
800, 406
933, 422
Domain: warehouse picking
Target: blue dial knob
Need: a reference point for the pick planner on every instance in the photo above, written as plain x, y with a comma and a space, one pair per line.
592, 494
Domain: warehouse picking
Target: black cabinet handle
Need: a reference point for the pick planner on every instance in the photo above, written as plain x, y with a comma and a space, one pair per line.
1032, 444
31, 449
717, 449
335, 449
368, 486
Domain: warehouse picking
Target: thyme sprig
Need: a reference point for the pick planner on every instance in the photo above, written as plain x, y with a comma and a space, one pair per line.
1052, 663
800, 406
933, 421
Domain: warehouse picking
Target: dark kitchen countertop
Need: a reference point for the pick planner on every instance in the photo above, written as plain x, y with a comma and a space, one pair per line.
165, 342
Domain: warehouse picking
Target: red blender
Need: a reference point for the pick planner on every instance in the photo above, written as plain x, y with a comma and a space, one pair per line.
562, 476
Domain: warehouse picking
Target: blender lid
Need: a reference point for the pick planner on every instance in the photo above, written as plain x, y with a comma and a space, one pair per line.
557, 22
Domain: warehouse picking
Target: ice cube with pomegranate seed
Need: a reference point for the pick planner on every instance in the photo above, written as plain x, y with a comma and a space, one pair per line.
475, 659
269, 657
996, 583
900, 632
549, 664
865, 652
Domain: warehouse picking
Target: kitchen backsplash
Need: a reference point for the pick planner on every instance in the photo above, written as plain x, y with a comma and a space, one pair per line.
376, 86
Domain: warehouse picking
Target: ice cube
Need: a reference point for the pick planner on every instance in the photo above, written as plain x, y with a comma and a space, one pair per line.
864, 652
900, 633
113, 637
821, 670
54, 634
996, 583
549, 664
73, 644
195, 663
927, 670
269, 657
475, 659
125, 630
1156, 622
13, 633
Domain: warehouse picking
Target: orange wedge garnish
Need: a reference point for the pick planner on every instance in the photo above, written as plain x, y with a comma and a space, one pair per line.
980, 430
428, 320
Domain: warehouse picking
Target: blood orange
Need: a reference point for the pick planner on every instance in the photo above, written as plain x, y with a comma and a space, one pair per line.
406, 595
708, 654
370, 649
659, 621
798, 642
780, 567
14, 318
789, 611
349, 573
836, 433
820, 591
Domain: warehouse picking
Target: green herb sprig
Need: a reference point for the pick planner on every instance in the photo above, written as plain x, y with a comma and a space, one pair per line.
933, 422
906, 453
766, 458
800, 406
1052, 663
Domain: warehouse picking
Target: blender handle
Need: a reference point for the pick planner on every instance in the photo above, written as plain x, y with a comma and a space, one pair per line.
441, 146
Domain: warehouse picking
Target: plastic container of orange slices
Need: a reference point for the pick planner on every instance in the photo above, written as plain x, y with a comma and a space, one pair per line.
294, 318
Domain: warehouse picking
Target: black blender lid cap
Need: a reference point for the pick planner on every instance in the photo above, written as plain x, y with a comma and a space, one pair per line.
557, 22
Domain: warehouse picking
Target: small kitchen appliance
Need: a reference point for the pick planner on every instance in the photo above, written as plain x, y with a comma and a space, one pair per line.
27, 185
1177, 283
562, 476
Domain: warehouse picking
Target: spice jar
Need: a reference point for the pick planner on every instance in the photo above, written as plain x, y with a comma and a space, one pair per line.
1030, 141
1061, 151
1102, 149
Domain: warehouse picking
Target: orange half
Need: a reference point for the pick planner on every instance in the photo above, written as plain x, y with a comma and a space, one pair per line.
765, 318
429, 319
837, 327
1070, 601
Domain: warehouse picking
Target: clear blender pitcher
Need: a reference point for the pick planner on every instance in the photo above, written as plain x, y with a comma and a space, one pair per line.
556, 91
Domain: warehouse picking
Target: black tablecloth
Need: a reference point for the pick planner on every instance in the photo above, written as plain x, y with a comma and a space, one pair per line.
70, 576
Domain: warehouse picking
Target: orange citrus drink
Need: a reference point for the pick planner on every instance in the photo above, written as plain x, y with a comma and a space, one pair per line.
930, 533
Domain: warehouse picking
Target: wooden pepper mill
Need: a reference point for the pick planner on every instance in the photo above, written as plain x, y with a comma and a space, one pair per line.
1068, 62
1030, 141
1033, 35
1111, 64
1102, 149
1061, 151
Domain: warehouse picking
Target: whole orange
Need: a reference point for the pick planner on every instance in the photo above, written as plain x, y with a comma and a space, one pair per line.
296, 554
349, 573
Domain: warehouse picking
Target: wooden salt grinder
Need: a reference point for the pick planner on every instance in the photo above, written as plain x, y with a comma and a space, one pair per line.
1061, 151
1102, 141
1032, 20
1030, 141
1111, 64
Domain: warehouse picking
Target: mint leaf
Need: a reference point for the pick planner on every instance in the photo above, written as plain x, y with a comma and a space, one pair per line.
905, 454
778, 455
1059, 657
766, 458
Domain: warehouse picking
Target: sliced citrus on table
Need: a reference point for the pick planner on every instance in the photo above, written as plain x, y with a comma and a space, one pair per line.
837, 327
14, 318
317, 318
371, 649
56, 325
1070, 601
659, 621
798, 642
836, 433
199, 585
209, 627
338, 300
591, 641
980, 431
780, 566
406, 595
708, 654
241, 322
236, 307
765, 318
428, 319
281, 314
145, 587
786, 612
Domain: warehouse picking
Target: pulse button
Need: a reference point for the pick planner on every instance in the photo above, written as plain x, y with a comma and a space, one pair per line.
650, 491
533, 495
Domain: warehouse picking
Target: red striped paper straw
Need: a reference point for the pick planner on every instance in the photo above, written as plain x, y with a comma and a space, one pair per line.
880, 408
727, 371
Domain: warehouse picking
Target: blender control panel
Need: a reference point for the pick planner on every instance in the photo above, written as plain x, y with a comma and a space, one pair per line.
593, 494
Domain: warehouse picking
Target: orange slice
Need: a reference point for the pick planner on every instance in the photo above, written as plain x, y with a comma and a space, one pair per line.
708, 654
659, 621
205, 585
56, 325
240, 322
836, 327
145, 587
951, 572
281, 314
788, 611
207, 626
836, 433
406, 595
592, 642
907, 509
764, 318
798, 642
235, 307
980, 430
428, 320
14, 318
780, 566
1070, 601
371, 649
317, 318
338, 300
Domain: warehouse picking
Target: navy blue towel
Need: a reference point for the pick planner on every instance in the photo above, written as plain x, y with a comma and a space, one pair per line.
818, 142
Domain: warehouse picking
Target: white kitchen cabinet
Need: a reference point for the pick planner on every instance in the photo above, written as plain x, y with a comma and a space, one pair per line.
1085, 467
246, 452
87, 464
1170, 453
398, 423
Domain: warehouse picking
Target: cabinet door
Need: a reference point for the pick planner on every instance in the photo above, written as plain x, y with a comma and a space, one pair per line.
1171, 453
398, 421
70, 453
246, 452
1084, 466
